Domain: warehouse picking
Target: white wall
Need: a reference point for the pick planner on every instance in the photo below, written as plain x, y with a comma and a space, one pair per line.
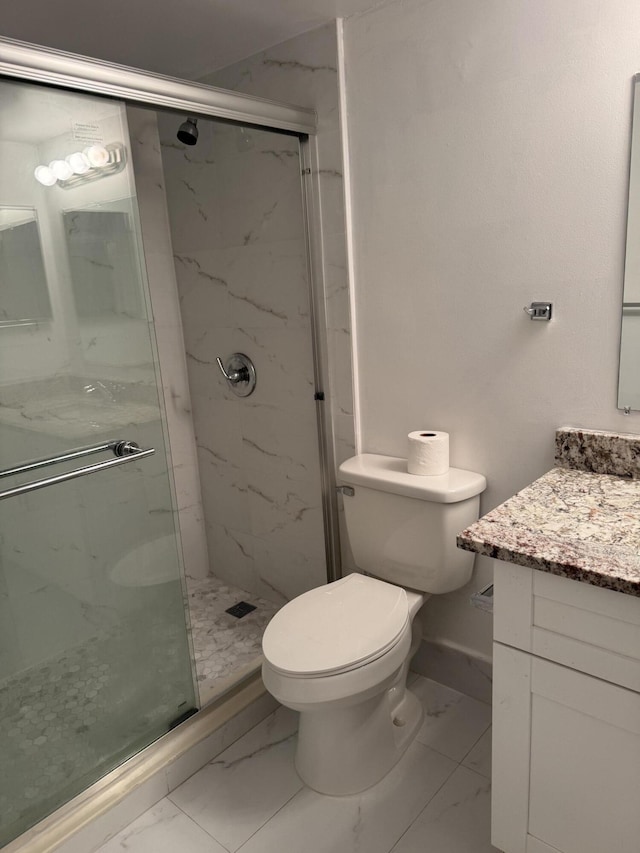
489, 156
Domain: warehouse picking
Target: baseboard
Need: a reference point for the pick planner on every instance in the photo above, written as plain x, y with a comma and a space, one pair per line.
105, 808
455, 668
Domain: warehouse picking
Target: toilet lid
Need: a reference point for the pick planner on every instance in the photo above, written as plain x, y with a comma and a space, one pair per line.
336, 627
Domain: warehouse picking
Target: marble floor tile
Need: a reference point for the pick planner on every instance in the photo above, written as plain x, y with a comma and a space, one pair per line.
479, 758
369, 822
250, 799
457, 820
453, 722
237, 793
163, 829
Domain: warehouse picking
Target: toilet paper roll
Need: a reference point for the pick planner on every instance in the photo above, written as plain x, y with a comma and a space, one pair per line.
428, 452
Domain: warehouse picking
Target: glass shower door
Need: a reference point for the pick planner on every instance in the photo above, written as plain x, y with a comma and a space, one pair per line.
95, 660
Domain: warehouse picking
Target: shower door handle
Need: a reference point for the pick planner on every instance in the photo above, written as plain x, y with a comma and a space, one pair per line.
119, 448
125, 451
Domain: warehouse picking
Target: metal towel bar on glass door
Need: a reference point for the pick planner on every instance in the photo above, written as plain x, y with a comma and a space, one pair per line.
125, 451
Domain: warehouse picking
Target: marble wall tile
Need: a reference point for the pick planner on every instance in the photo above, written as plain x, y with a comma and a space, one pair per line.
336, 280
205, 297
157, 239
269, 442
244, 288
191, 184
342, 387
205, 378
225, 491
285, 365
283, 572
264, 206
304, 71
287, 512
348, 560
220, 421
267, 284
345, 438
231, 555
194, 544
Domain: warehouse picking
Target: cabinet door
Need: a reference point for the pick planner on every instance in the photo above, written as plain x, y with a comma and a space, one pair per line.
566, 759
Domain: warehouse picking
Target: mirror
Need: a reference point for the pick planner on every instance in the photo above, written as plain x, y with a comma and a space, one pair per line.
103, 261
629, 377
24, 294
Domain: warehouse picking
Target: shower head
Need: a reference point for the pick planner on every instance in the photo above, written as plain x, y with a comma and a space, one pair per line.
188, 131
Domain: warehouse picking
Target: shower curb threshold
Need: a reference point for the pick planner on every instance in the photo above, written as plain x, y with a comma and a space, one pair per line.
103, 809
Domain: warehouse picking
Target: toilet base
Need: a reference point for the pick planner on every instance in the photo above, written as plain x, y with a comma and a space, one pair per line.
345, 750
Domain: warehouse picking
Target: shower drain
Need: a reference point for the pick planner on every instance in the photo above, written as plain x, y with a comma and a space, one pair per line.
240, 609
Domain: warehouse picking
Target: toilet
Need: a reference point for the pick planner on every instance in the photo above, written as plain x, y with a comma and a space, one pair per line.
339, 654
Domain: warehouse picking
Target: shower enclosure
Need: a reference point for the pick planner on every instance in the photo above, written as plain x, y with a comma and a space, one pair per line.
96, 656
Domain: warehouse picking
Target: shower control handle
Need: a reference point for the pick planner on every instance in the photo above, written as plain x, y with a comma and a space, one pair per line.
234, 376
239, 373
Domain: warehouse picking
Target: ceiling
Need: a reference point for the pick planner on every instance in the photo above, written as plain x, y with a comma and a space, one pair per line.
183, 38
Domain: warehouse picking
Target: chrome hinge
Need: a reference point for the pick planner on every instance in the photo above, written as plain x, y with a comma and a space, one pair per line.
346, 491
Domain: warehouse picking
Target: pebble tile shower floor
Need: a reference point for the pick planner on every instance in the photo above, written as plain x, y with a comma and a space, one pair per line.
48, 712
224, 646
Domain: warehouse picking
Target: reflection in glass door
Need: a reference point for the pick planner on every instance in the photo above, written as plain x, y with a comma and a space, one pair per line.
94, 653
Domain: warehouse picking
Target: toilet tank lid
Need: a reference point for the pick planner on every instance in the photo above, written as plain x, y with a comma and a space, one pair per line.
389, 474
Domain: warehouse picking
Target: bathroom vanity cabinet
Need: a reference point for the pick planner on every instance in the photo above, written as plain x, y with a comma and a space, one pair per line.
566, 715
566, 652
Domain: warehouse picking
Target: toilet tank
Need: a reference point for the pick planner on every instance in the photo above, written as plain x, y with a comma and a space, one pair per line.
402, 527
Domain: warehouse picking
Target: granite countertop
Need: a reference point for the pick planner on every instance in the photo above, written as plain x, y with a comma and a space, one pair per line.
581, 520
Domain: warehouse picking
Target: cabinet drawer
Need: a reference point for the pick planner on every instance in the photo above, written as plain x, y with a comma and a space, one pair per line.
584, 627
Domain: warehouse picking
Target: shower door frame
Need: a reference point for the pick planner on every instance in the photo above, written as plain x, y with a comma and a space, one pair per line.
35, 64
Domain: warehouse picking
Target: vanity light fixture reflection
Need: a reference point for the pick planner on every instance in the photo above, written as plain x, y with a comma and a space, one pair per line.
44, 176
79, 162
80, 167
61, 169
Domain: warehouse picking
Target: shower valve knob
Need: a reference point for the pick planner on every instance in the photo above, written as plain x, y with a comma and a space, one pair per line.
239, 373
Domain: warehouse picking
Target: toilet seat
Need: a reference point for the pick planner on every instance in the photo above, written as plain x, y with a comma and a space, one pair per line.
337, 628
